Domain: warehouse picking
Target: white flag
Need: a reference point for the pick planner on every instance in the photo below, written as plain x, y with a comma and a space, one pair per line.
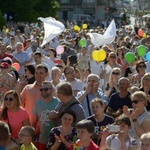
52, 28
107, 38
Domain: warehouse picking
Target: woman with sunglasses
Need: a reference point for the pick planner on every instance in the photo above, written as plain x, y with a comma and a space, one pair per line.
13, 114
62, 136
141, 69
139, 116
145, 87
112, 84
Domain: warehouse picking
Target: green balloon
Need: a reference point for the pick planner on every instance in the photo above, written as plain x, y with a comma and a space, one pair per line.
130, 57
141, 50
82, 42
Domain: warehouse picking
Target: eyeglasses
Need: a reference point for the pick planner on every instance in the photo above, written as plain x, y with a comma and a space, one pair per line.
10, 99
45, 89
9, 49
115, 73
136, 101
71, 72
112, 56
142, 66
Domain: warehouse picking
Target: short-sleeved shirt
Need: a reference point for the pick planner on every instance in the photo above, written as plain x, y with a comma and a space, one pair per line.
116, 102
29, 96
71, 137
100, 126
42, 110
115, 143
15, 120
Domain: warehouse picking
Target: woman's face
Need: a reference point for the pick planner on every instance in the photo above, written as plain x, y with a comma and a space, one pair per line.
137, 102
10, 102
146, 81
115, 74
97, 108
67, 120
141, 67
124, 127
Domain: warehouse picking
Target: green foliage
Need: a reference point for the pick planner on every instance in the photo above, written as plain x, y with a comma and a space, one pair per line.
29, 10
2, 21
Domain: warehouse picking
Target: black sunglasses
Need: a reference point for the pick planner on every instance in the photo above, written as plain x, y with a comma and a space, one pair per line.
115, 73
45, 89
10, 99
112, 56
135, 101
143, 66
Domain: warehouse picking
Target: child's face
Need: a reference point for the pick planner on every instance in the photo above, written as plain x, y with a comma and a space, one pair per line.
97, 108
124, 127
83, 135
145, 144
24, 137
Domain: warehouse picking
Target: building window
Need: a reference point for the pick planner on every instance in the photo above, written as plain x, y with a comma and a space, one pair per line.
89, 1
64, 1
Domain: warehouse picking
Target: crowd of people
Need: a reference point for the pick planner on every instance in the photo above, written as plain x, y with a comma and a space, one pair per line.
68, 100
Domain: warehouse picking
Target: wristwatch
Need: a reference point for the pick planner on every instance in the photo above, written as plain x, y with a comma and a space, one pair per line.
134, 120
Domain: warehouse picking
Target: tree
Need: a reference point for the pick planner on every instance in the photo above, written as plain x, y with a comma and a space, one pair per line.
2, 21
28, 10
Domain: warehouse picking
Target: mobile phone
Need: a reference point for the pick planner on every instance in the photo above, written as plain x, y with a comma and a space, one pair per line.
73, 59
113, 128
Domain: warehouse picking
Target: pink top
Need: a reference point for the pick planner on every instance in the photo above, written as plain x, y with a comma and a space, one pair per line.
16, 120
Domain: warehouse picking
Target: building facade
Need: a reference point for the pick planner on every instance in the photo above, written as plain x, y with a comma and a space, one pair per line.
94, 8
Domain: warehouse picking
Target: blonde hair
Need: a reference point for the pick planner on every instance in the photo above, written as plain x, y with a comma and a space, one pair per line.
111, 76
143, 78
145, 136
140, 95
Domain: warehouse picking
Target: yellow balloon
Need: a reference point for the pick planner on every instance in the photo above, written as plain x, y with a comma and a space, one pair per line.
78, 29
7, 30
144, 35
95, 55
101, 55
84, 26
75, 27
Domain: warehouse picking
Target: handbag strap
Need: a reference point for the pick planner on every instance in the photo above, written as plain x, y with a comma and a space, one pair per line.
88, 104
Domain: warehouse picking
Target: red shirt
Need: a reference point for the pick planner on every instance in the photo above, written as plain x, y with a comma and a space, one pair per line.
92, 146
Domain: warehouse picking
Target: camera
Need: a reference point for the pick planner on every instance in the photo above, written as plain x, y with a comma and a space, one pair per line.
113, 128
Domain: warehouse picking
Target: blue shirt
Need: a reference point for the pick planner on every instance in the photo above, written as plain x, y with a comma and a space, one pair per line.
91, 96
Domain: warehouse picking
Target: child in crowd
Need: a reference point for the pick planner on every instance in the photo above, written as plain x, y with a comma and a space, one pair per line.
85, 129
4, 135
120, 140
145, 141
99, 119
26, 136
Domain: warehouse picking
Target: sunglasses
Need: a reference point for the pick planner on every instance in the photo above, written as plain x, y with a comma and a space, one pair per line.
8, 99
115, 73
143, 66
135, 101
112, 56
45, 89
